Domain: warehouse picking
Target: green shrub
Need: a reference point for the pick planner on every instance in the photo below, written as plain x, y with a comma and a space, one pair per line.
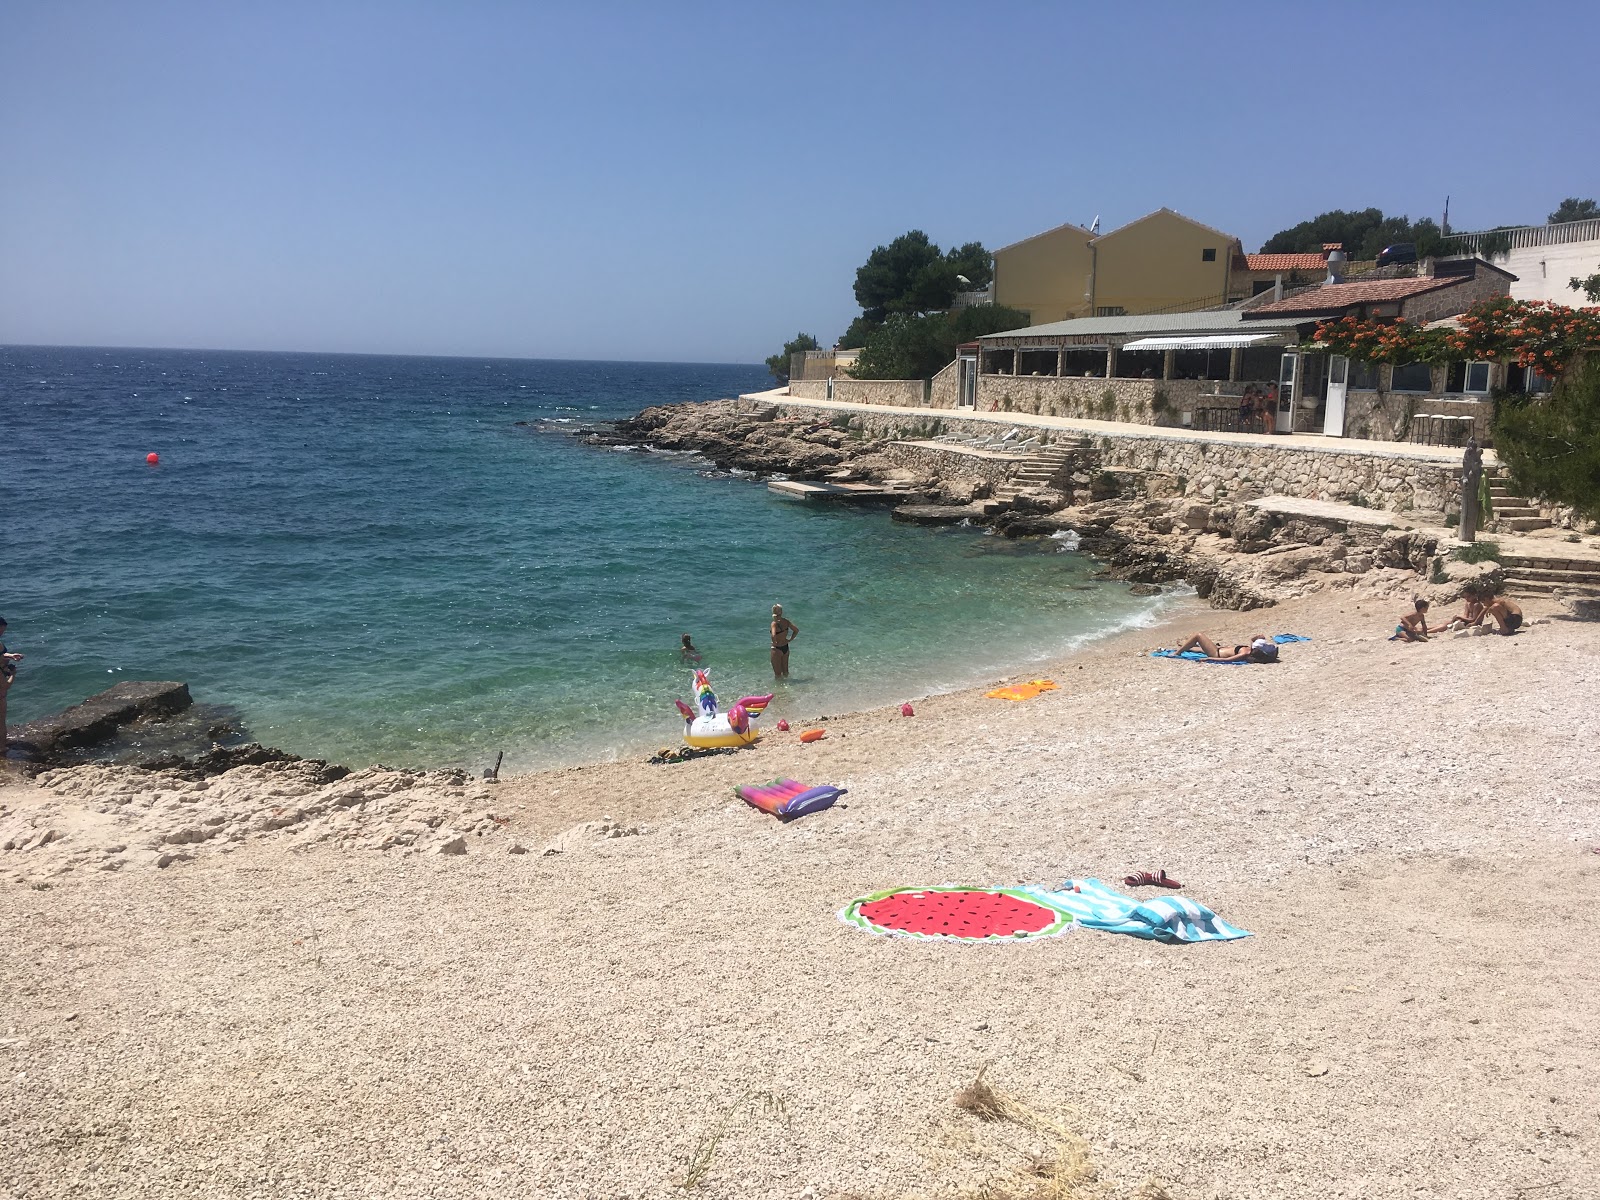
1477, 552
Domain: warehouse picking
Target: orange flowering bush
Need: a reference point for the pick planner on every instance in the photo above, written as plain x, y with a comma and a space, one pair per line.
1384, 340
1531, 333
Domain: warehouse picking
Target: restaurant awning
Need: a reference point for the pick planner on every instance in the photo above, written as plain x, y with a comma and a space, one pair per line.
1215, 341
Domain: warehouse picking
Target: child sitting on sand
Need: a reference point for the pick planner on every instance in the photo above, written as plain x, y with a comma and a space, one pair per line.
1261, 649
1413, 626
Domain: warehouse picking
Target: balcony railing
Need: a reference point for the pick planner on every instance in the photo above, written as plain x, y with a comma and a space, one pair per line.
1528, 236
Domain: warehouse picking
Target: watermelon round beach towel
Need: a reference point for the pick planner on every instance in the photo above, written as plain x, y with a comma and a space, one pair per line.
957, 914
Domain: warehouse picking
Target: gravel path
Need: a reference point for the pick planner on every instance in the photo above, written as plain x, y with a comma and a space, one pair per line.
1405, 829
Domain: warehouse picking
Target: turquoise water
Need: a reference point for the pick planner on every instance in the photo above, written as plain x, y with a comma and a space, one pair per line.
373, 562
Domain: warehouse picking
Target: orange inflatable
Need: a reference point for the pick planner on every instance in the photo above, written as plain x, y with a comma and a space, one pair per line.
813, 735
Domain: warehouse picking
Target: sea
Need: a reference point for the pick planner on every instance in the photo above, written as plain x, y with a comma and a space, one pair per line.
411, 561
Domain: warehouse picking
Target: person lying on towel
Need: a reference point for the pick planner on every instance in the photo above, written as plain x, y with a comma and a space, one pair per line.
1260, 649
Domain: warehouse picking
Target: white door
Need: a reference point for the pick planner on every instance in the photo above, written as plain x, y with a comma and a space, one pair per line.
969, 383
1288, 385
1338, 384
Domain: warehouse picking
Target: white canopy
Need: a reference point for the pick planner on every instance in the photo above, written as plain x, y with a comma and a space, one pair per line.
1215, 341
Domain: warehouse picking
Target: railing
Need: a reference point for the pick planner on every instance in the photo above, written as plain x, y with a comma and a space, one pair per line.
1527, 236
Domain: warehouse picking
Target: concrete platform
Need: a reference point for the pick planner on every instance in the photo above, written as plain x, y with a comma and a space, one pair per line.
1328, 510
849, 493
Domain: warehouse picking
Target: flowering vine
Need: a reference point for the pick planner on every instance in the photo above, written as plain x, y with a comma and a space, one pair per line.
1539, 334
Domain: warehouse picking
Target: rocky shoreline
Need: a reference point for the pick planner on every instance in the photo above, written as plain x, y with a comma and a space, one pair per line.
1234, 555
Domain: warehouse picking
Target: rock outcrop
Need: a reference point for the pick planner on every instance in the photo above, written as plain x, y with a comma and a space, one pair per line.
1137, 522
98, 719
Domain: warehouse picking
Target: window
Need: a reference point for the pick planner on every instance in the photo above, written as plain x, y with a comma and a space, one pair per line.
1467, 378
1111, 310
1412, 377
1363, 375
1209, 255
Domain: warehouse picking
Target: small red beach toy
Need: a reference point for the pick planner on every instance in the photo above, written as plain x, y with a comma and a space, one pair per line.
783, 726
152, 458
907, 711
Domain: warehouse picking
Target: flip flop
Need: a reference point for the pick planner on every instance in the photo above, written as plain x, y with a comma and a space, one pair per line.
1146, 879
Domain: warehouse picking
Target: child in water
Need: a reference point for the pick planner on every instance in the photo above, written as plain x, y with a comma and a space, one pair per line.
690, 654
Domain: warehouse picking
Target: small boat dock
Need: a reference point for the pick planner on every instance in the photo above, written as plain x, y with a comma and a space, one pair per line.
846, 493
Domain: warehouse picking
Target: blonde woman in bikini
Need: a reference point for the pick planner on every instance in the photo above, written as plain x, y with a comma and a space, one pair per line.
784, 631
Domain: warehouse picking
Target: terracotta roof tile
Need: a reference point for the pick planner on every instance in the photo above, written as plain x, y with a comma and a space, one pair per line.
1286, 262
1335, 296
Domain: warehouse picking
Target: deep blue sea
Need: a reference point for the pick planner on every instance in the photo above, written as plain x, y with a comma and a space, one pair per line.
374, 562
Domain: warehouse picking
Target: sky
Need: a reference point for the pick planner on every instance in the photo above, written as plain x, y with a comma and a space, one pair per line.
699, 181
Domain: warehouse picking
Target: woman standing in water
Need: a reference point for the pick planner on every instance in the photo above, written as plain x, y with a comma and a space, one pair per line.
784, 631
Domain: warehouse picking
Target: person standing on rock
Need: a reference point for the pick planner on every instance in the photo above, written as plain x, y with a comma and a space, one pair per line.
8, 672
784, 631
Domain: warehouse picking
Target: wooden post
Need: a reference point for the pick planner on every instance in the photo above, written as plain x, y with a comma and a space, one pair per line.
1471, 475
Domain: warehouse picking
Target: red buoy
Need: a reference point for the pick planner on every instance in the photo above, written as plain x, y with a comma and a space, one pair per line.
152, 458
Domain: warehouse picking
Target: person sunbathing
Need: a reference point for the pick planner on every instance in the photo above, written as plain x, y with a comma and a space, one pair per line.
1260, 649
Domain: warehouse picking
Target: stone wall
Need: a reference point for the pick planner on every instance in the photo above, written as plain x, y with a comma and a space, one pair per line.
950, 464
1198, 467
907, 393
1450, 301
1384, 416
1208, 470
946, 389
1083, 399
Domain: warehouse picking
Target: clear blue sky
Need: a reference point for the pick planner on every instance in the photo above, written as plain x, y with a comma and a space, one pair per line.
699, 181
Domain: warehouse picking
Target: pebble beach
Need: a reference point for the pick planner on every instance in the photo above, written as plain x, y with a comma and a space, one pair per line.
620, 981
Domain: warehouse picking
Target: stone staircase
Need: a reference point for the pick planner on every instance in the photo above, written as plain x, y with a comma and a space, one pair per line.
1049, 467
1548, 573
1512, 513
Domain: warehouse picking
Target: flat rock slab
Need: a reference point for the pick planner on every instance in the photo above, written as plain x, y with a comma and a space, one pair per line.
1351, 514
100, 717
935, 514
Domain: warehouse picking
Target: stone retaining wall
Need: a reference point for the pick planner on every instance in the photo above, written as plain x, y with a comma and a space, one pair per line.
906, 393
1208, 470
949, 464
1211, 470
945, 391
1076, 398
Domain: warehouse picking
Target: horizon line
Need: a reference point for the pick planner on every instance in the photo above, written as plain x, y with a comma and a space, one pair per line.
652, 362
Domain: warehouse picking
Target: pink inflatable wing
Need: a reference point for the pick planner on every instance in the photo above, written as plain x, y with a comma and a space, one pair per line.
785, 798
688, 713
756, 705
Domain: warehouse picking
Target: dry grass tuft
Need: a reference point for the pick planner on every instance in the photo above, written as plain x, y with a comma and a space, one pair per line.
1063, 1171
758, 1103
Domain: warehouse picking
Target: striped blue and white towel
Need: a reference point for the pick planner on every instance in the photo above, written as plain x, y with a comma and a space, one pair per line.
1163, 919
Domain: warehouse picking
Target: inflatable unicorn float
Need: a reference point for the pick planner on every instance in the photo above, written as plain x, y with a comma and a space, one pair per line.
705, 729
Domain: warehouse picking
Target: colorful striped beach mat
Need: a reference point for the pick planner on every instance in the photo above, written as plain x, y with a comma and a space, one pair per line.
1165, 919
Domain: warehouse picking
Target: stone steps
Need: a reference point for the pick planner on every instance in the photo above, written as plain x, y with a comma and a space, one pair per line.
1555, 574
1549, 575
1517, 585
1520, 524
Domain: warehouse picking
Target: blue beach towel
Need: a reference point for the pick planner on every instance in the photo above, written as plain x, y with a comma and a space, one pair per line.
1164, 919
1282, 639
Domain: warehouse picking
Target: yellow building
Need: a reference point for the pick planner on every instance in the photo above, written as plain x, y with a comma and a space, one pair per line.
1161, 261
